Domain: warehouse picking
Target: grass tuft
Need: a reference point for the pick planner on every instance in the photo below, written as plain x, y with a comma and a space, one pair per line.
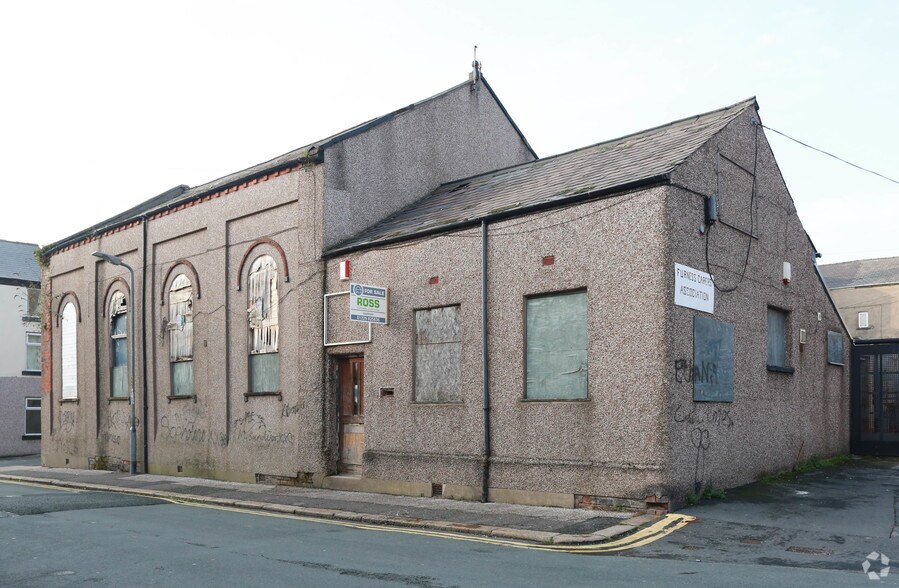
812, 464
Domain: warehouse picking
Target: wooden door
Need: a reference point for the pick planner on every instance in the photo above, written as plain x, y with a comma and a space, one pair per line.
351, 412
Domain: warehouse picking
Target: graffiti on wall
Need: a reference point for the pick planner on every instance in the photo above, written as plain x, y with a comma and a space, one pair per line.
183, 430
703, 415
251, 427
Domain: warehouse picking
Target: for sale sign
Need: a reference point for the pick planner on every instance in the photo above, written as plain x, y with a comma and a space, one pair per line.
368, 304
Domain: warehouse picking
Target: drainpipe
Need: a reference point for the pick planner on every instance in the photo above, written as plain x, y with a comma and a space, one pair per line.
485, 366
143, 334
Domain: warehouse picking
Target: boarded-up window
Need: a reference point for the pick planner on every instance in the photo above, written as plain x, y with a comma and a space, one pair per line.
118, 313
263, 323
834, 348
33, 352
69, 351
33, 418
34, 302
712, 371
181, 336
438, 355
777, 338
556, 357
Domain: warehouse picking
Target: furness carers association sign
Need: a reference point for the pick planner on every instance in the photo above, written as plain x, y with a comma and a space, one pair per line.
693, 289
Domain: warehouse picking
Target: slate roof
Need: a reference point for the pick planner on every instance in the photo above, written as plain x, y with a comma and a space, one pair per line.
861, 272
313, 152
17, 263
631, 161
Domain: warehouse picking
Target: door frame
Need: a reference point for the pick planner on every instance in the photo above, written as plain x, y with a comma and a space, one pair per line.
339, 421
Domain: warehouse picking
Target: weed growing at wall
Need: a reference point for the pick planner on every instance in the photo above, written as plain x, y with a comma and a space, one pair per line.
812, 464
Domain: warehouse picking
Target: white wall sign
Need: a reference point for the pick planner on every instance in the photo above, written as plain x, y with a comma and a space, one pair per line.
368, 304
693, 289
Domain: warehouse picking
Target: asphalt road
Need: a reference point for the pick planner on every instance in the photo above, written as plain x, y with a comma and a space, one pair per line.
51, 537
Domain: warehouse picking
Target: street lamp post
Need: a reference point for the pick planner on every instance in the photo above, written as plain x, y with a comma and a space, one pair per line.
118, 261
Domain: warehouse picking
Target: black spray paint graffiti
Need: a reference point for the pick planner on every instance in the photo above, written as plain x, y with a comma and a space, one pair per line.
117, 420
110, 438
187, 431
717, 417
251, 427
705, 372
290, 410
701, 439
66, 423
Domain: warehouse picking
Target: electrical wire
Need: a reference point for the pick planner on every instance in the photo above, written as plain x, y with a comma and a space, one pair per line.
708, 267
864, 169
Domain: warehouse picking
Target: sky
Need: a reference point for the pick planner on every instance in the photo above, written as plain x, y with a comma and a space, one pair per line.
107, 104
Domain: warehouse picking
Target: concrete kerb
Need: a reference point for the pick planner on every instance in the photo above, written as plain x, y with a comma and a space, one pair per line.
627, 526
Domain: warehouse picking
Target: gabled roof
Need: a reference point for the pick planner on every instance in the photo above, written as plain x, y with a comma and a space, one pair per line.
17, 263
613, 166
861, 272
313, 152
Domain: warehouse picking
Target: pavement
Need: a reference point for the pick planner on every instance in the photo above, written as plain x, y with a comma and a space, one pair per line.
546, 525
821, 519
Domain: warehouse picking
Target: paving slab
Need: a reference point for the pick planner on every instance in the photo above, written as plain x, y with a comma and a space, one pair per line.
519, 522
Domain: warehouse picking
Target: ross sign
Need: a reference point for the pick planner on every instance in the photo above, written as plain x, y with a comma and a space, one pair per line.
368, 304
693, 289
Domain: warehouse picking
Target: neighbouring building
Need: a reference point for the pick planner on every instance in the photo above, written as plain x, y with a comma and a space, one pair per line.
867, 294
623, 324
20, 349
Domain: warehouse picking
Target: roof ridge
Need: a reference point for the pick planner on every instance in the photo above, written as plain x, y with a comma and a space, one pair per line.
823, 265
743, 104
19, 243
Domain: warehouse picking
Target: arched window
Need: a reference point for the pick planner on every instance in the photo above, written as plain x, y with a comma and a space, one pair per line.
69, 351
262, 289
181, 336
118, 333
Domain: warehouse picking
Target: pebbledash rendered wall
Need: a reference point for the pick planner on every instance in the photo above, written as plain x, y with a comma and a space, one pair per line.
640, 438
545, 452
776, 419
221, 431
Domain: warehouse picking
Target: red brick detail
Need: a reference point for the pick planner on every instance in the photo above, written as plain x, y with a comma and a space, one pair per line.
257, 242
549, 259
47, 336
66, 297
166, 212
434, 280
195, 282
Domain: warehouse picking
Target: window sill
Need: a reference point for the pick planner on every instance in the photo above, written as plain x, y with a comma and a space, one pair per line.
33, 437
780, 369
68, 401
31, 319
182, 397
454, 403
118, 399
31, 372
836, 363
248, 395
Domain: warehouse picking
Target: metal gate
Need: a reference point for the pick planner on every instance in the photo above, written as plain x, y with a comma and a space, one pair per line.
875, 397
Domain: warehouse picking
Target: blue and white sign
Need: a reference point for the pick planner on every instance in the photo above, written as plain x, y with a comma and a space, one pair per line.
369, 304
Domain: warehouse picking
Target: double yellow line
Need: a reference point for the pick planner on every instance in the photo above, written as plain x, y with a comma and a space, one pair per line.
667, 525
662, 528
